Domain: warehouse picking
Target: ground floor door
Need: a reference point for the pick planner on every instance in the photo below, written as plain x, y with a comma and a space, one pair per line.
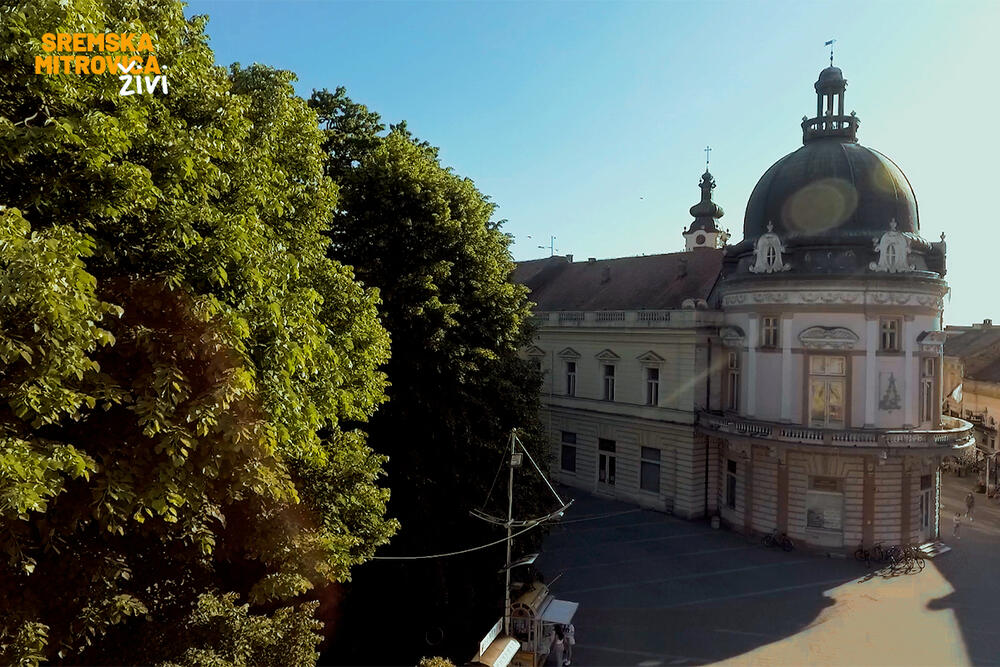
927, 509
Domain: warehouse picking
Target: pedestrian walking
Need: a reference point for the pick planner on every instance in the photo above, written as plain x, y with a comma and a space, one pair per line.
570, 643
970, 505
958, 522
558, 645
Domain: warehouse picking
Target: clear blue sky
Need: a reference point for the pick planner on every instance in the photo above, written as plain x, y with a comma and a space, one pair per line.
587, 120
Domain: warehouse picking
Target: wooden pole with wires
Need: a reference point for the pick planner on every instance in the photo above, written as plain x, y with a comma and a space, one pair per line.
510, 521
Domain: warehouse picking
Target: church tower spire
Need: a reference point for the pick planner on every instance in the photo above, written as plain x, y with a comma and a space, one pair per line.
704, 231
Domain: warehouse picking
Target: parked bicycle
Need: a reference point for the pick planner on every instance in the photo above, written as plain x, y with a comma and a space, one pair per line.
776, 539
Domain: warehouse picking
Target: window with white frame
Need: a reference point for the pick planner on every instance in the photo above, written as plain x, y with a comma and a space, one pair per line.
769, 331
827, 385
652, 386
649, 469
928, 405
733, 382
567, 461
825, 504
609, 382
731, 484
889, 334
571, 378
607, 461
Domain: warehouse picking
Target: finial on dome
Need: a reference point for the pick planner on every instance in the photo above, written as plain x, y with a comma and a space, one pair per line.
892, 224
770, 227
830, 44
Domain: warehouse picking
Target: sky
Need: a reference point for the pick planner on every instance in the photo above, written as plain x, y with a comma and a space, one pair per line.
587, 121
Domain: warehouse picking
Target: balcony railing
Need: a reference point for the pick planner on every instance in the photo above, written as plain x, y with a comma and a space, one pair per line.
953, 434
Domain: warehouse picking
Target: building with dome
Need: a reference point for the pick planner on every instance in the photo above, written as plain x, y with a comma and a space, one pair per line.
790, 382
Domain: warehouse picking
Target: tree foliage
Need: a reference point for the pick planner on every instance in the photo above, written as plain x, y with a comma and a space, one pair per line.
182, 366
427, 239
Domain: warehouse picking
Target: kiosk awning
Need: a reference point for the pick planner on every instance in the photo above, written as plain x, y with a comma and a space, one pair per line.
559, 611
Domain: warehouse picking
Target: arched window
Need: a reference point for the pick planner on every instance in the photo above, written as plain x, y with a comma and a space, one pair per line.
771, 256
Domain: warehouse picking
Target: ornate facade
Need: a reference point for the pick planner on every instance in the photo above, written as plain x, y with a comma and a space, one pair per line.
797, 389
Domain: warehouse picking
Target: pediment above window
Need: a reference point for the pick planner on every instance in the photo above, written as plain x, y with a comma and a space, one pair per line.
931, 341
651, 357
569, 353
607, 355
732, 336
535, 351
828, 338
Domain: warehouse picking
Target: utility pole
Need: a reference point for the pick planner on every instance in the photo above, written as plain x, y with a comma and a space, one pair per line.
515, 460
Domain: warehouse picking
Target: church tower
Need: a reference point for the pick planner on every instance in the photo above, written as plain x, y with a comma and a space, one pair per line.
704, 231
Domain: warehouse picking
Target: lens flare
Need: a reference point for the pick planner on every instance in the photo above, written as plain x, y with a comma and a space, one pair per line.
820, 206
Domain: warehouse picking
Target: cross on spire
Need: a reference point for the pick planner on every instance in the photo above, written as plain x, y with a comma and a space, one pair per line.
830, 44
708, 149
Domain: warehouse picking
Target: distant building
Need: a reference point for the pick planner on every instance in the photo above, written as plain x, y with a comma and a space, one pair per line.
972, 380
790, 382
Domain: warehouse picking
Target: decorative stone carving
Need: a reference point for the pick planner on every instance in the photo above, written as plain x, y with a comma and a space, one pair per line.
650, 357
894, 252
794, 297
607, 355
768, 251
732, 336
569, 353
828, 338
535, 351
890, 398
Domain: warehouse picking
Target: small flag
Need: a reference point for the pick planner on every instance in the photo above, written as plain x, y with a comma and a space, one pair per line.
829, 43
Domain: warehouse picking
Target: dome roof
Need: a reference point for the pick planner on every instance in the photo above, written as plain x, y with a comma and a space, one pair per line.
832, 189
830, 76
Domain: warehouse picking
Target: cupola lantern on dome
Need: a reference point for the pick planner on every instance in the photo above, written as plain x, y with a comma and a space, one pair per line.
830, 120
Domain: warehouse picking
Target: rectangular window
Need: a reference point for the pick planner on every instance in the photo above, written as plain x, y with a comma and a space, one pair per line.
568, 459
928, 409
825, 504
649, 470
609, 382
733, 382
536, 363
652, 386
571, 378
731, 484
606, 462
769, 331
889, 338
827, 384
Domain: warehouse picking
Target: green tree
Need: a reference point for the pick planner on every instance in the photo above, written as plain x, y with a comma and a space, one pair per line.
427, 239
182, 366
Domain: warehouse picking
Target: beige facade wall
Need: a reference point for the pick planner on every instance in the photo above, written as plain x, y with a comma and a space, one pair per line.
681, 461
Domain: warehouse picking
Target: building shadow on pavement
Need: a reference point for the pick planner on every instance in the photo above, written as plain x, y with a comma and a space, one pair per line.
972, 570
657, 590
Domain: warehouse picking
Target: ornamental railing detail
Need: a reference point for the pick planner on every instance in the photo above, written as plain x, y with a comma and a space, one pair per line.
953, 434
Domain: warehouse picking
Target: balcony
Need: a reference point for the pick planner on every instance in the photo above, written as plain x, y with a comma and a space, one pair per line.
954, 434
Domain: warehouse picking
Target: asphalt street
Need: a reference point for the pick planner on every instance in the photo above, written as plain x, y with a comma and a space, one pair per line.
657, 590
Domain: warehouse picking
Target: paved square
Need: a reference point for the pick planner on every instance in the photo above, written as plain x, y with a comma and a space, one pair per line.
656, 590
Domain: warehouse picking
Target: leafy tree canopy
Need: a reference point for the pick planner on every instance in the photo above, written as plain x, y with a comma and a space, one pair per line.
182, 366
428, 240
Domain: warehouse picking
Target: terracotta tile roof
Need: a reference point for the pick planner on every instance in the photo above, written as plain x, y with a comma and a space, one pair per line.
965, 343
650, 282
979, 350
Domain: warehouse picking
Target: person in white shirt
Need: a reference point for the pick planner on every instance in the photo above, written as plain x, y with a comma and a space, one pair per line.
570, 642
